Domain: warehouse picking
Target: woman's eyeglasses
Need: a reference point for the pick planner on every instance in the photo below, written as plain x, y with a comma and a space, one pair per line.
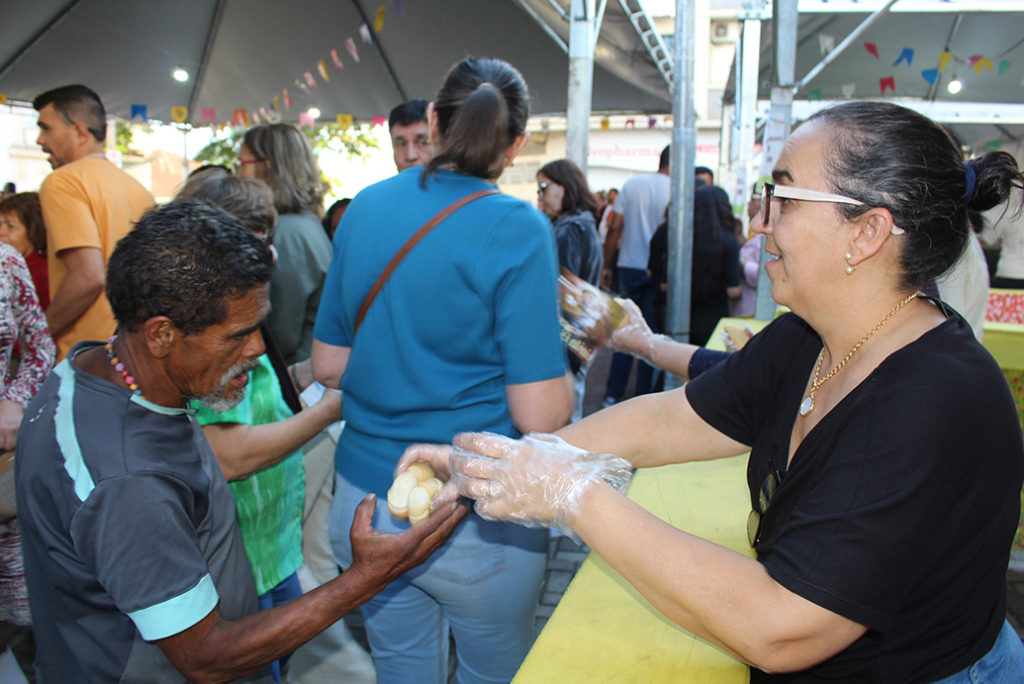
772, 191
764, 497
541, 188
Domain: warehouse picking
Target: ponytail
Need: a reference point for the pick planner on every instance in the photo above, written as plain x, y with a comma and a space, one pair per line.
481, 109
477, 135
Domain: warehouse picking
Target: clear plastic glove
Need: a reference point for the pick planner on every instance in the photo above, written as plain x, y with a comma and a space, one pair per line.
538, 480
635, 337
436, 456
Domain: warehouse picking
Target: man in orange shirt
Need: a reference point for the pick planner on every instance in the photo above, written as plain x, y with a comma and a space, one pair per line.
88, 205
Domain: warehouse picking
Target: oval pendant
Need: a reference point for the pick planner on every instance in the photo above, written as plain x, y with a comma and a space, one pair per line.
807, 405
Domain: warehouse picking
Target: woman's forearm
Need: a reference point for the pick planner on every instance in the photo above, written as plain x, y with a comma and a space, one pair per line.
714, 592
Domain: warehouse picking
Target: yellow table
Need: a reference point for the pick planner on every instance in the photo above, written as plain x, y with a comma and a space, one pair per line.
1005, 341
604, 631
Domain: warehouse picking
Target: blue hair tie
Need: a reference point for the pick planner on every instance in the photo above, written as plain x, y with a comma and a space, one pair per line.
972, 178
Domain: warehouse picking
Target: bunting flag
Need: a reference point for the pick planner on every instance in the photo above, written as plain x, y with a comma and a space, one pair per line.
287, 99
992, 145
277, 103
209, 115
630, 123
668, 121
826, 43
264, 113
849, 89
364, 33
972, 59
944, 58
322, 68
982, 63
350, 45
310, 81
301, 86
272, 117
378, 24
138, 112
179, 114
306, 119
3, 98
887, 82
345, 121
255, 118
814, 95
240, 118
401, 10
1004, 64
872, 48
336, 59
652, 122
907, 54
605, 123
930, 75
378, 120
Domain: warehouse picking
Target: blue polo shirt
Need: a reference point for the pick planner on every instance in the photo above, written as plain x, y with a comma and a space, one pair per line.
471, 309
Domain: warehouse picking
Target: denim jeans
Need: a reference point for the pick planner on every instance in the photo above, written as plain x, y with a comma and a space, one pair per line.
288, 589
483, 583
1004, 664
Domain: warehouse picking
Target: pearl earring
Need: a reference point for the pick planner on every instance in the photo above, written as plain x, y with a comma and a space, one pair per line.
850, 268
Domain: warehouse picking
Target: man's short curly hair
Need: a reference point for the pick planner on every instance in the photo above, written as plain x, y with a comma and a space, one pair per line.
184, 260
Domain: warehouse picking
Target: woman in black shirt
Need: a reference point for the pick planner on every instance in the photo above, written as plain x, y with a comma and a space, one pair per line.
886, 455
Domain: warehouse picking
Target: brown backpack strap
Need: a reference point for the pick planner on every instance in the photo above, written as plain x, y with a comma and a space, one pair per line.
412, 241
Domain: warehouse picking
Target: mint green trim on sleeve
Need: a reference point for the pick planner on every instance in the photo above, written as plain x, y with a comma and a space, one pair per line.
177, 614
67, 438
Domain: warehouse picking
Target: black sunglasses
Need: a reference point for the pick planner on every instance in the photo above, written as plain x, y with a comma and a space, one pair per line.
764, 497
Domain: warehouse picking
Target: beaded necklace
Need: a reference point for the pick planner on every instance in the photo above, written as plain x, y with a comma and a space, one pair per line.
120, 367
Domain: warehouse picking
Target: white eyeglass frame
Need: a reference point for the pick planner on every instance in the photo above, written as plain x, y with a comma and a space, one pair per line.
771, 191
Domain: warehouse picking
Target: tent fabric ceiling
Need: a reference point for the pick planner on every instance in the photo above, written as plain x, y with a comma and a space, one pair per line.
126, 51
857, 72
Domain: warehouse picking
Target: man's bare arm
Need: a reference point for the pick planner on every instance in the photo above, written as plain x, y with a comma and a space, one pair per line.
219, 650
82, 285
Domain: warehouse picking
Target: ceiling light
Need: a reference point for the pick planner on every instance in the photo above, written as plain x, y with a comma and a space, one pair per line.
180, 75
314, 112
955, 86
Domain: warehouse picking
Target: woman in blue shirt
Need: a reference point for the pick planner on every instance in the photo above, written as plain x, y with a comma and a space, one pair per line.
463, 335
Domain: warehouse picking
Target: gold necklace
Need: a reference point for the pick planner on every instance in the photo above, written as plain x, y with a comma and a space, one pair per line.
807, 405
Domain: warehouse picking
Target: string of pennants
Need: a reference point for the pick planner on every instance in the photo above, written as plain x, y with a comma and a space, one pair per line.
979, 63
306, 83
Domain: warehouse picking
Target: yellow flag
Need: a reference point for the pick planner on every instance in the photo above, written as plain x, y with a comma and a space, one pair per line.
3, 98
944, 58
179, 114
322, 68
345, 120
983, 63
277, 103
605, 123
379, 24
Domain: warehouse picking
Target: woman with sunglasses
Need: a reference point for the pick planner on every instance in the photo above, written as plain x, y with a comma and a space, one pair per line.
564, 196
886, 456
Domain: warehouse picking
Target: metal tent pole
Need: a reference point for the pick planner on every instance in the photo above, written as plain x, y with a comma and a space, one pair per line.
581, 79
684, 148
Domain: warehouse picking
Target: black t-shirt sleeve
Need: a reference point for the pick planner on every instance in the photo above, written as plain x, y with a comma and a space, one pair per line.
737, 396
